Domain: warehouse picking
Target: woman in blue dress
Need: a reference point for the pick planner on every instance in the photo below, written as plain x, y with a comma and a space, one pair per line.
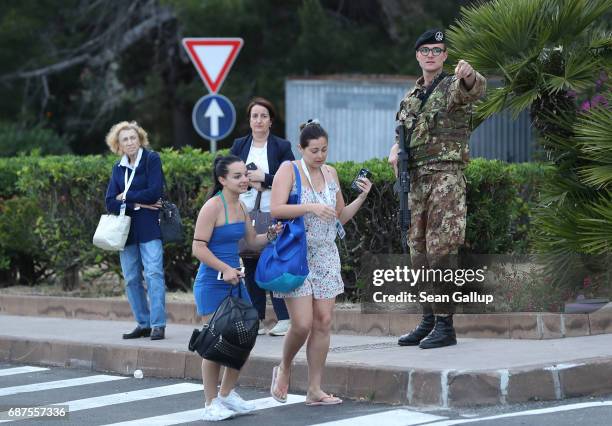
221, 223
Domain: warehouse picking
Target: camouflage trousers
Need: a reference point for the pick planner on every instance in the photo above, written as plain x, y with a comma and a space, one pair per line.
438, 220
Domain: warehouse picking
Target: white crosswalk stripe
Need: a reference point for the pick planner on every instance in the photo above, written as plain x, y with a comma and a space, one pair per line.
399, 417
20, 370
123, 397
58, 384
195, 415
540, 411
131, 396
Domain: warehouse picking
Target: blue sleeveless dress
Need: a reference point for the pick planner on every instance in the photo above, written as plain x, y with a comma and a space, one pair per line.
208, 291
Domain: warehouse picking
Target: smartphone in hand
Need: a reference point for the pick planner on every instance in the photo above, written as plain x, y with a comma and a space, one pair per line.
363, 173
251, 166
220, 274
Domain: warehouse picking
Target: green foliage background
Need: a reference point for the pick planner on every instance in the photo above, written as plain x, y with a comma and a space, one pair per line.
50, 206
154, 83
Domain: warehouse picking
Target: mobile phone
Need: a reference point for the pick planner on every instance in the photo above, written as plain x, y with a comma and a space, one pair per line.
363, 173
251, 166
220, 274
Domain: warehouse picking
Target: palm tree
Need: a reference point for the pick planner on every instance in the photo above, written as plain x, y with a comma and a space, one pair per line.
549, 53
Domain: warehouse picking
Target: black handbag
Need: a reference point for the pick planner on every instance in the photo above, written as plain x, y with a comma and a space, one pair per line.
261, 221
230, 335
170, 223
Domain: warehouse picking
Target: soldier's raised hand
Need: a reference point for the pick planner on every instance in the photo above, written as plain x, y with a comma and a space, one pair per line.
466, 74
464, 70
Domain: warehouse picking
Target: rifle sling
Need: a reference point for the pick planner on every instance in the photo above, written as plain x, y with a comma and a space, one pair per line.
423, 97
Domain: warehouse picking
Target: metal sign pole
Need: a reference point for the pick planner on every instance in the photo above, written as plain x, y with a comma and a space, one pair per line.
213, 146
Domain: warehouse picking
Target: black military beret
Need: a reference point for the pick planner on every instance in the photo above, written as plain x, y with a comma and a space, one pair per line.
433, 36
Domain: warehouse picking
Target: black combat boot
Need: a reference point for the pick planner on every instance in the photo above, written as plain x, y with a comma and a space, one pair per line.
415, 336
442, 335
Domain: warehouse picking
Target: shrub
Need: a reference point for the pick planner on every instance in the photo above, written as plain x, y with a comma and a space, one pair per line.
68, 195
9, 174
499, 199
70, 191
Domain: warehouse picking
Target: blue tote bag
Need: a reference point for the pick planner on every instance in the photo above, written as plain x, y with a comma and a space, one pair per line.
283, 265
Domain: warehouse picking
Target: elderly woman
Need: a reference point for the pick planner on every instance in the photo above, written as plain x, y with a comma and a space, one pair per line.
137, 181
263, 153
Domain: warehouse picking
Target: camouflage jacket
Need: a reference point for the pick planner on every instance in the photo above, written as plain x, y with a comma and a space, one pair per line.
442, 128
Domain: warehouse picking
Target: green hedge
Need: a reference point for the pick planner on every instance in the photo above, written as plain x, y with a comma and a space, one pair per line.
50, 206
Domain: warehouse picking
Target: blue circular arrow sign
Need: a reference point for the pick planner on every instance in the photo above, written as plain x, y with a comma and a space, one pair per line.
213, 117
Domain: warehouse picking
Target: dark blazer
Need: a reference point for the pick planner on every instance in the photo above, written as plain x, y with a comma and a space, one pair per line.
279, 150
146, 188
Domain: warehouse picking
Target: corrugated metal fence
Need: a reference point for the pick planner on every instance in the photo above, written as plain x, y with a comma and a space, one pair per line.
359, 115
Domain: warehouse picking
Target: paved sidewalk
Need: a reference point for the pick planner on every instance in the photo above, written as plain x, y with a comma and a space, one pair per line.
348, 319
475, 372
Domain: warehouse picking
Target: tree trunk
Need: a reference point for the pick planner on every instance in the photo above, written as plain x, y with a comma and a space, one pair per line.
70, 278
27, 274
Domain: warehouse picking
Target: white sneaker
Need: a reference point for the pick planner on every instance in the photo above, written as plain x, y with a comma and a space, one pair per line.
262, 328
235, 403
281, 328
217, 411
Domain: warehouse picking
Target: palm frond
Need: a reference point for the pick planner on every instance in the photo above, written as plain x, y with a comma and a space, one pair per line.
577, 73
521, 102
593, 131
595, 226
572, 17
601, 40
594, 136
556, 228
596, 176
490, 33
493, 103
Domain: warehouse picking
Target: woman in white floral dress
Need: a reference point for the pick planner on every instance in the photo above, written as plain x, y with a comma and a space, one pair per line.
311, 305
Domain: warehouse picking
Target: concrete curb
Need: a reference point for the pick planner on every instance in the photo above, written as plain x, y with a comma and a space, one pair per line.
346, 321
440, 388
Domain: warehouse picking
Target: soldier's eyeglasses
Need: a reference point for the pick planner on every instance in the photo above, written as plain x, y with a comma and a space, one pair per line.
436, 51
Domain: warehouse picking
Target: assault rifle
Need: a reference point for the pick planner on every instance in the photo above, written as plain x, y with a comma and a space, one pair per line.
403, 179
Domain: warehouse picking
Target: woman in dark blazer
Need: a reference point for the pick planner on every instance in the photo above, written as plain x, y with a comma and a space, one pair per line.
140, 170
267, 152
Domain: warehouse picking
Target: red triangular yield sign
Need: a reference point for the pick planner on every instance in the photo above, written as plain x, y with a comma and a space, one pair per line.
213, 58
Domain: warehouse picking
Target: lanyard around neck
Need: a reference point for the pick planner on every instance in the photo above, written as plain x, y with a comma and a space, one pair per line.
128, 182
327, 199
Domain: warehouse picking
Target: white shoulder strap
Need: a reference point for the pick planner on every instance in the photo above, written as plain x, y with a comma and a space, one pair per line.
328, 199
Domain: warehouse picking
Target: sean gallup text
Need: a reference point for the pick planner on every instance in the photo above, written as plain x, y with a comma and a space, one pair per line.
457, 297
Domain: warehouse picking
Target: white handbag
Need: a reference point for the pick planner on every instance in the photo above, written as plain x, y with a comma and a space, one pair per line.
112, 231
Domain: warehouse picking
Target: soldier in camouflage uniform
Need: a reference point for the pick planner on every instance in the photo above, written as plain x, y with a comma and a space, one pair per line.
438, 154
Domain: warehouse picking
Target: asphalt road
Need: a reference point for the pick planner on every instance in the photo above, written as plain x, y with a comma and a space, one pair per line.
92, 398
